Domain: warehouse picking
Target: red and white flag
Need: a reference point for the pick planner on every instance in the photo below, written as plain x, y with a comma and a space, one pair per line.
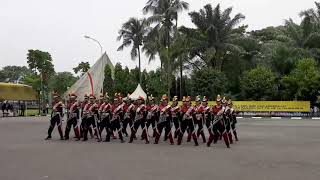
92, 81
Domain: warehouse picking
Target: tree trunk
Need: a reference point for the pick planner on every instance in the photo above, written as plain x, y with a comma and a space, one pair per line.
180, 88
140, 77
169, 65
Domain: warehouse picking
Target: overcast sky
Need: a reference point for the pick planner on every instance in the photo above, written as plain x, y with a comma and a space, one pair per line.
58, 26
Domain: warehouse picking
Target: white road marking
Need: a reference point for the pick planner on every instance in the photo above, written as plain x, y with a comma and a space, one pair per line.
296, 117
275, 117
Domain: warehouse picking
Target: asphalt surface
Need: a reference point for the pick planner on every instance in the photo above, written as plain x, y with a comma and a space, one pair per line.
267, 150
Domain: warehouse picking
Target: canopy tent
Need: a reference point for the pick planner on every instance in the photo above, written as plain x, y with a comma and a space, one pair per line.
92, 81
16, 92
138, 92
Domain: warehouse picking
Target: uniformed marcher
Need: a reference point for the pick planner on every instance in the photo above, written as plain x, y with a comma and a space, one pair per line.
105, 116
129, 112
233, 121
207, 115
153, 115
187, 122
73, 117
91, 117
117, 115
140, 120
199, 118
56, 116
175, 116
218, 124
164, 120
84, 113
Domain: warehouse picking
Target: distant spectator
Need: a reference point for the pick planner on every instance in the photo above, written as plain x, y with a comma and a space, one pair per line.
4, 108
315, 111
47, 108
22, 108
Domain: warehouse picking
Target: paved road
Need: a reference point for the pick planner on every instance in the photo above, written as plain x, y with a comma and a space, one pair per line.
268, 150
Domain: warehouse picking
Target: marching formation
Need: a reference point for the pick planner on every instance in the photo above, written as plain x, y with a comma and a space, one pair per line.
95, 115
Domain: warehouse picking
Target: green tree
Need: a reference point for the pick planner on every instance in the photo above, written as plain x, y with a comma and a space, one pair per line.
303, 83
14, 73
41, 62
61, 81
34, 81
208, 82
154, 85
214, 36
124, 82
82, 67
163, 14
108, 84
133, 32
258, 84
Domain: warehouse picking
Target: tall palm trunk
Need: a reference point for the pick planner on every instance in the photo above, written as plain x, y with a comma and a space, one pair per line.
140, 77
180, 88
169, 64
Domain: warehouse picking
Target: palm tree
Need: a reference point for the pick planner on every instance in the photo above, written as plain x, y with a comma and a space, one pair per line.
163, 13
214, 35
312, 15
132, 33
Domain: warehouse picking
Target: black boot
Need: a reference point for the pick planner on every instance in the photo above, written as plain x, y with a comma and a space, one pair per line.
49, 133
195, 139
85, 135
66, 134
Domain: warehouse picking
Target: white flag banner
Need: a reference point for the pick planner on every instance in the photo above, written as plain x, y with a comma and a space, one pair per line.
92, 81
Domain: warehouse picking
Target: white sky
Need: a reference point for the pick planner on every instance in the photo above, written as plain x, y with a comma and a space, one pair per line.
58, 26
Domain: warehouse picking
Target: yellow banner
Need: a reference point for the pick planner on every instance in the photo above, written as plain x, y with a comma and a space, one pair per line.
268, 106
273, 106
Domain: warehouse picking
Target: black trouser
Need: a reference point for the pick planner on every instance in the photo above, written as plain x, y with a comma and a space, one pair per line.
55, 120
176, 123
233, 127
72, 122
134, 128
116, 125
200, 130
90, 121
125, 123
105, 124
188, 124
152, 122
218, 129
167, 126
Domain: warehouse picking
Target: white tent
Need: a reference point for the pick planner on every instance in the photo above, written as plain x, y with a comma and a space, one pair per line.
138, 92
92, 81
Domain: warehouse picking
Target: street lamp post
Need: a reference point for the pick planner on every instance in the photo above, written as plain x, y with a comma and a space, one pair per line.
88, 37
101, 51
